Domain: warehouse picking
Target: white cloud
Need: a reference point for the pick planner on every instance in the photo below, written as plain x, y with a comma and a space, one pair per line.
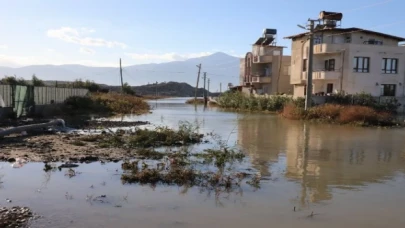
18, 61
85, 50
2, 46
165, 57
72, 35
50, 50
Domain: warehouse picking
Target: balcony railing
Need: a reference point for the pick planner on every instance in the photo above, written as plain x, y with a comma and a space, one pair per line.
328, 48
323, 75
262, 59
257, 79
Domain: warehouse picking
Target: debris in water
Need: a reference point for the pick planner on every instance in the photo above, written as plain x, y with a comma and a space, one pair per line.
15, 216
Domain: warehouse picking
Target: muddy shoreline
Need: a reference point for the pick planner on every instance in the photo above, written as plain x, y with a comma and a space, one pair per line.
52, 145
58, 148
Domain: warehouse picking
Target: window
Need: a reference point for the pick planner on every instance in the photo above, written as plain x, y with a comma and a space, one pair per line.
389, 66
329, 88
330, 65
304, 65
388, 90
317, 40
361, 64
348, 39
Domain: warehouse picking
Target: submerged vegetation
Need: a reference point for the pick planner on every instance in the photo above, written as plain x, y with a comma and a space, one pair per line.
183, 168
162, 156
186, 134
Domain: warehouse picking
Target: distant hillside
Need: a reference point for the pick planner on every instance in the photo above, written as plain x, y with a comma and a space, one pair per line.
220, 67
171, 89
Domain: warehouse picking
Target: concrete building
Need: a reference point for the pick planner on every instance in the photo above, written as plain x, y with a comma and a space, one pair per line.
264, 70
349, 60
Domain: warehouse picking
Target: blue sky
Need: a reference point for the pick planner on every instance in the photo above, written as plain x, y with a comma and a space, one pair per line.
97, 33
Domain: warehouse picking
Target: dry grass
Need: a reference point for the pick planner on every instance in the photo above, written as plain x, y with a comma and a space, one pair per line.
199, 101
121, 103
341, 114
153, 97
292, 112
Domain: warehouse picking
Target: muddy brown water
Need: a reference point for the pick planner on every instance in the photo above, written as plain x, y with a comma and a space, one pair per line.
346, 176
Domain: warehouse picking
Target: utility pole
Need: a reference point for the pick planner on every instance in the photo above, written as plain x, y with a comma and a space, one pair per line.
220, 87
156, 93
122, 81
308, 96
208, 90
204, 92
198, 79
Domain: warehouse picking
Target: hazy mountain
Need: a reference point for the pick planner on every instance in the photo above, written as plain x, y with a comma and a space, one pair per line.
172, 89
220, 68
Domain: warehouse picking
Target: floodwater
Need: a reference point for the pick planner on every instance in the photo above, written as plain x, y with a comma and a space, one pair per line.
345, 176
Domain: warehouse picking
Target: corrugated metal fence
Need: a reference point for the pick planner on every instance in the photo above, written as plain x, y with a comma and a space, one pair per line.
43, 95
6, 93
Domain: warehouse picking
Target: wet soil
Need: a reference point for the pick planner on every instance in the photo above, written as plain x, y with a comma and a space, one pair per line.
57, 147
82, 122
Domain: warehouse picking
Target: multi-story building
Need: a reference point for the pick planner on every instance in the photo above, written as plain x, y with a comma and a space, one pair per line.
349, 60
265, 71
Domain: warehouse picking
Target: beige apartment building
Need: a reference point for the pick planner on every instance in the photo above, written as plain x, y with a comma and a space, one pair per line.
265, 70
349, 60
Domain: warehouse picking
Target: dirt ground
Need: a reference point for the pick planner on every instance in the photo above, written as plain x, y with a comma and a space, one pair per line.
57, 147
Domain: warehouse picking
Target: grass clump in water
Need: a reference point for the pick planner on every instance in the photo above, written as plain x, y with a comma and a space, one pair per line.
150, 154
184, 176
112, 141
163, 136
221, 156
198, 101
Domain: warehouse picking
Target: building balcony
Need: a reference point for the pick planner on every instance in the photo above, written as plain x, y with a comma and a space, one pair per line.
328, 48
323, 75
261, 79
262, 59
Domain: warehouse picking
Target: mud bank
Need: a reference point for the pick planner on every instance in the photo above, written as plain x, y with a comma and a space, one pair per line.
107, 146
56, 148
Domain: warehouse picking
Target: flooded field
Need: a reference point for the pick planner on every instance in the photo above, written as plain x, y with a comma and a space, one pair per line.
313, 175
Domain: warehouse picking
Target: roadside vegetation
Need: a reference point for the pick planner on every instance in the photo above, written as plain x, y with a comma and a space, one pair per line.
107, 103
198, 101
99, 100
359, 109
240, 102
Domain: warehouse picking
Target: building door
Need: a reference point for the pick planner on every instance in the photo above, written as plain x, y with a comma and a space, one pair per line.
329, 88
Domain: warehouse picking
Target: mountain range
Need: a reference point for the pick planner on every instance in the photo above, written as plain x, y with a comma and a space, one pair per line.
221, 68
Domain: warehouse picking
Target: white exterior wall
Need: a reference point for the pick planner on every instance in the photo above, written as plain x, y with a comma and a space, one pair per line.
335, 47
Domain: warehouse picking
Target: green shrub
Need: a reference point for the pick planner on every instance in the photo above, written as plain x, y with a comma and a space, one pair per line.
240, 101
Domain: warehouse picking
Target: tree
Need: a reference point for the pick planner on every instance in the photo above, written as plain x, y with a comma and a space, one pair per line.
90, 85
127, 89
36, 81
12, 80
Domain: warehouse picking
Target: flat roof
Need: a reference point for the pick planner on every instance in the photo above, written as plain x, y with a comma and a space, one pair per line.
349, 30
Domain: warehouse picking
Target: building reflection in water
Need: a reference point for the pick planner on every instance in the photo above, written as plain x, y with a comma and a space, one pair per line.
322, 157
